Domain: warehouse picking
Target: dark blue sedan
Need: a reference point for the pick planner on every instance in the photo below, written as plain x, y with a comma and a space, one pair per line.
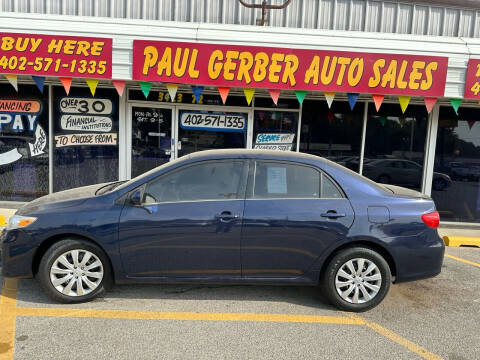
244, 216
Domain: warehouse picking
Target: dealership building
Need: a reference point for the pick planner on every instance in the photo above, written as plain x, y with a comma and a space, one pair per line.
99, 91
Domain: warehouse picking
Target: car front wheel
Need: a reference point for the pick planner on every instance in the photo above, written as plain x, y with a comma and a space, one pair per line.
356, 279
73, 271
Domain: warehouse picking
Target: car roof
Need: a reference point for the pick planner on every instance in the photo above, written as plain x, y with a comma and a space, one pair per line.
254, 153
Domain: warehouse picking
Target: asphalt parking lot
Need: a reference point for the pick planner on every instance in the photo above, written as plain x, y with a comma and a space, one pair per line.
431, 319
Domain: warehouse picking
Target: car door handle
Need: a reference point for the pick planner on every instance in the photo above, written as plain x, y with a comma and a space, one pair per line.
226, 216
332, 214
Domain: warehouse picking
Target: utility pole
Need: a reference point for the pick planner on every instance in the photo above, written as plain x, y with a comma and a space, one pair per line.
264, 6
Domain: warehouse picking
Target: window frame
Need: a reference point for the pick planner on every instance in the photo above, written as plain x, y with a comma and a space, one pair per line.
250, 195
240, 194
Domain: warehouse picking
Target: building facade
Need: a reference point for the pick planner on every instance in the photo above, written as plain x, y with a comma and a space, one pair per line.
52, 141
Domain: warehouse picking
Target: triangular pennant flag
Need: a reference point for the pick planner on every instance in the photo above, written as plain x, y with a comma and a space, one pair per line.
197, 91
92, 84
120, 86
352, 99
172, 91
429, 103
145, 86
470, 123
39, 81
330, 116
13, 80
404, 101
329, 95
249, 92
66, 82
275, 94
223, 93
383, 120
300, 94
455, 104
378, 99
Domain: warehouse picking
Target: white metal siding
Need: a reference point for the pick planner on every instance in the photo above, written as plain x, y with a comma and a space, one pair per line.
360, 15
123, 32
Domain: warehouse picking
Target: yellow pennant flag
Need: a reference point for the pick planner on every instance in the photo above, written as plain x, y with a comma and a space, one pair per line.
12, 79
404, 100
249, 92
92, 84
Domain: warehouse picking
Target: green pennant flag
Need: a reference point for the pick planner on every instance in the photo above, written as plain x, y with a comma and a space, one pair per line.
300, 94
455, 104
145, 86
383, 120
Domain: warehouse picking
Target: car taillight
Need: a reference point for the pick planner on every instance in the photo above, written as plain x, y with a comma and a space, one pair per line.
431, 219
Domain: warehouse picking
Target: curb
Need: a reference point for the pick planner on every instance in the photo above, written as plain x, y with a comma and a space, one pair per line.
457, 241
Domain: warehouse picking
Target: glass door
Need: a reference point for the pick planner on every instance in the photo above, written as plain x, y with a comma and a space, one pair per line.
152, 137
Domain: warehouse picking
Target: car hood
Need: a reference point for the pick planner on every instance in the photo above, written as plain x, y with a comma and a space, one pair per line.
61, 199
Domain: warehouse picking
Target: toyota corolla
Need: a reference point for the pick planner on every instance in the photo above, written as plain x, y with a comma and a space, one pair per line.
243, 216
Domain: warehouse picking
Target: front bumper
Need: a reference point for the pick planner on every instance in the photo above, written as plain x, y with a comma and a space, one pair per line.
17, 251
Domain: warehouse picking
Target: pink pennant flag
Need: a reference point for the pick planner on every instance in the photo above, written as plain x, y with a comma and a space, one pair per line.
223, 93
66, 82
275, 94
470, 123
378, 99
429, 103
120, 86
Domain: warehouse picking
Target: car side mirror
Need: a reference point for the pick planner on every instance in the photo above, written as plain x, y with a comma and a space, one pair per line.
136, 198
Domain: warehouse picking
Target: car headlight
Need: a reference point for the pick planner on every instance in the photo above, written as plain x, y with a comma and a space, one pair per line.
19, 222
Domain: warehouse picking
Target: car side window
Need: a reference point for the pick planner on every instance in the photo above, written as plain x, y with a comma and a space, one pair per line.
204, 181
329, 189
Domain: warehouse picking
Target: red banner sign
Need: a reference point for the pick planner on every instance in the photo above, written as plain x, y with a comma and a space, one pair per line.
281, 68
52, 55
472, 84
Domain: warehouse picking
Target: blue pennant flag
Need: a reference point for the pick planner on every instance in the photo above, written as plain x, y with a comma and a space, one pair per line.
352, 99
197, 91
39, 81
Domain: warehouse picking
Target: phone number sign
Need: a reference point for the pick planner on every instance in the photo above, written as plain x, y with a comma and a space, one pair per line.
190, 120
55, 55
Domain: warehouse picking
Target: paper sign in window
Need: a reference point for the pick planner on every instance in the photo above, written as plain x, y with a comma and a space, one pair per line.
277, 180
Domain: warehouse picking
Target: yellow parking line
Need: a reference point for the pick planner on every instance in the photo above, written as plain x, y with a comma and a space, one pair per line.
417, 349
8, 303
463, 260
142, 315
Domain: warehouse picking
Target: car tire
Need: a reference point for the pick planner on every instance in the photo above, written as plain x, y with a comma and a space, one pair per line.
439, 184
383, 179
334, 284
74, 284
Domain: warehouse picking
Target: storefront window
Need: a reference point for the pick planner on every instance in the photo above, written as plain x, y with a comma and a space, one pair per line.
275, 130
209, 130
457, 155
395, 145
333, 133
23, 143
86, 137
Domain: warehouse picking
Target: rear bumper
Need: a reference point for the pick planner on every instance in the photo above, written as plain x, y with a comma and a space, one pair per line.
17, 252
418, 257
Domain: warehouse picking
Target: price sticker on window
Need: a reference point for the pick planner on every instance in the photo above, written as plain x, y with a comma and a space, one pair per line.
472, 83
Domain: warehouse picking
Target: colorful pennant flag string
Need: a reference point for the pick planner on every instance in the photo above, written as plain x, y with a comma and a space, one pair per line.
119, 86
223, 91
352, 99
146, 86
249, 92
429, 103
66, 82
274, 94
404, 101
92, 85
13, 80
455, 104
329, 96
172, 91
197, 91
300, 94
378, 99
39, 81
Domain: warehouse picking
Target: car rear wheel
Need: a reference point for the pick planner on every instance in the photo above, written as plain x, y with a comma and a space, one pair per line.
356, 279
73, 271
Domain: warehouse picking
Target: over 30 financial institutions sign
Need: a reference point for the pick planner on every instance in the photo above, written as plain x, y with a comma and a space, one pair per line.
282, 68
55, 55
